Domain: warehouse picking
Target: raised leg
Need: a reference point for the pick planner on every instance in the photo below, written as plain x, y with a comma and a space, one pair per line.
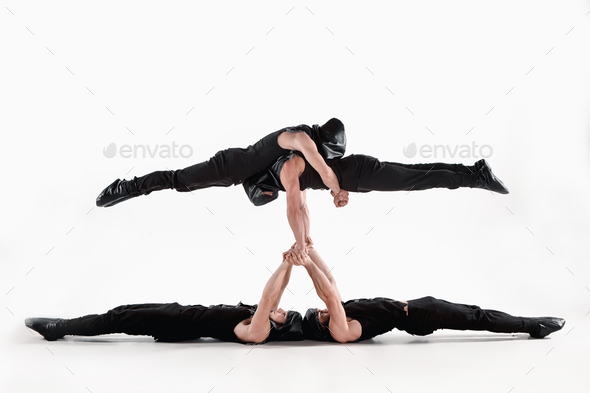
437, 166
375, 175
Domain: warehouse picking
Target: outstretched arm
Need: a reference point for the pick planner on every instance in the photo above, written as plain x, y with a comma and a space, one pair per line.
284, 283
340, 329
304, 213
290, 173
319, 262
257, 331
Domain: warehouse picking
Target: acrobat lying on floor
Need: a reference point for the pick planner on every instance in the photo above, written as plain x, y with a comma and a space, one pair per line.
362, 319
354, 320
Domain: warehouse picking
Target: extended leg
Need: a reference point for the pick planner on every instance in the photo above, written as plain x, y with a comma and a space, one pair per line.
428, 314
438, 166
211, 173
375, 175
137, 319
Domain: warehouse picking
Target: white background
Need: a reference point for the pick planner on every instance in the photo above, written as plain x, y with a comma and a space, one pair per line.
76, 77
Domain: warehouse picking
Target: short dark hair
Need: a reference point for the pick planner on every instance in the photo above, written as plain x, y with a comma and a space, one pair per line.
313, 329
291, 330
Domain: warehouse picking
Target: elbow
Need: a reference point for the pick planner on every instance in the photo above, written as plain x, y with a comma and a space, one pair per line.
258, 339
340, 339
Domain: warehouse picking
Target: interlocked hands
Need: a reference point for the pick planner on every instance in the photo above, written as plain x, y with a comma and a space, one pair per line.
298, 257
340, 199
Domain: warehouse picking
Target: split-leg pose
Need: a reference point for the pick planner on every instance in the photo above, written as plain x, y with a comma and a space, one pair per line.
359, 173
173, 322
362, 319
232, 166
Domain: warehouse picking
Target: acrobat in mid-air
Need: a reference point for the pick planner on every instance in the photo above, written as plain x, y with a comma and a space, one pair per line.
294, 159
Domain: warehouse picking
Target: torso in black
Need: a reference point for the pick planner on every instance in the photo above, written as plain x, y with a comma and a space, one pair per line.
376, 316
330, 140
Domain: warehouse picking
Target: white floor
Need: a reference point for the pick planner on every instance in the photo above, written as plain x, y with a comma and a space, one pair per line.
76, 79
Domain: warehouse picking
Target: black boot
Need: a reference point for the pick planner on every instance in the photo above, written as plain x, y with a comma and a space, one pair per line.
50, 328
546, 325
487, 180
117, 192
122, 190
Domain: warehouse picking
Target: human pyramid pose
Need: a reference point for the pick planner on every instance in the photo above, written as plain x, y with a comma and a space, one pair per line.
294, 159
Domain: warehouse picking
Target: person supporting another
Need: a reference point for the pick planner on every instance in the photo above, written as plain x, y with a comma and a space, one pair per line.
362, 319
173, 322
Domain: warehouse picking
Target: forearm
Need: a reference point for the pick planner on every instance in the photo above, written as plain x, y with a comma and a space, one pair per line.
321, 283
331, 180
275, 285
305, 220
297, 225
319, 262
287, 277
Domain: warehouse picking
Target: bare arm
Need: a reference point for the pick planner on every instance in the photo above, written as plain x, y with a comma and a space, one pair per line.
284, 284
339, 327
257, 331
290, 173
303, 143
319, 262
304, 213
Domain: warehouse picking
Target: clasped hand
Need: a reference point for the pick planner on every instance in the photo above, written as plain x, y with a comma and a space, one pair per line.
340, 199
298, 257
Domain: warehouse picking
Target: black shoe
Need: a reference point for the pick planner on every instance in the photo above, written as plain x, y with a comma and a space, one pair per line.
473, 169
480, 164
117, 192
547, 325
487, 180
47, 327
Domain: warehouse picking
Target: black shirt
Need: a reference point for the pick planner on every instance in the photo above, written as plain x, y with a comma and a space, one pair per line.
377, 316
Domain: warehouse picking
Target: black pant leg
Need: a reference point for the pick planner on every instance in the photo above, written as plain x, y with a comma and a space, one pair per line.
155, 181
374, 175
215, 172
428, 314
436, 166
135, 319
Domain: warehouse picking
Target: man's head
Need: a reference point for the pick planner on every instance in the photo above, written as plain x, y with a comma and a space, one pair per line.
315, 325
279, 316
285, 326
332, 139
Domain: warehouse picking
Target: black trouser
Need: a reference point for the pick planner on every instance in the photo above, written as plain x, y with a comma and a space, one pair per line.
427, 314
374, 175
211, 173
153, 319
227, 167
